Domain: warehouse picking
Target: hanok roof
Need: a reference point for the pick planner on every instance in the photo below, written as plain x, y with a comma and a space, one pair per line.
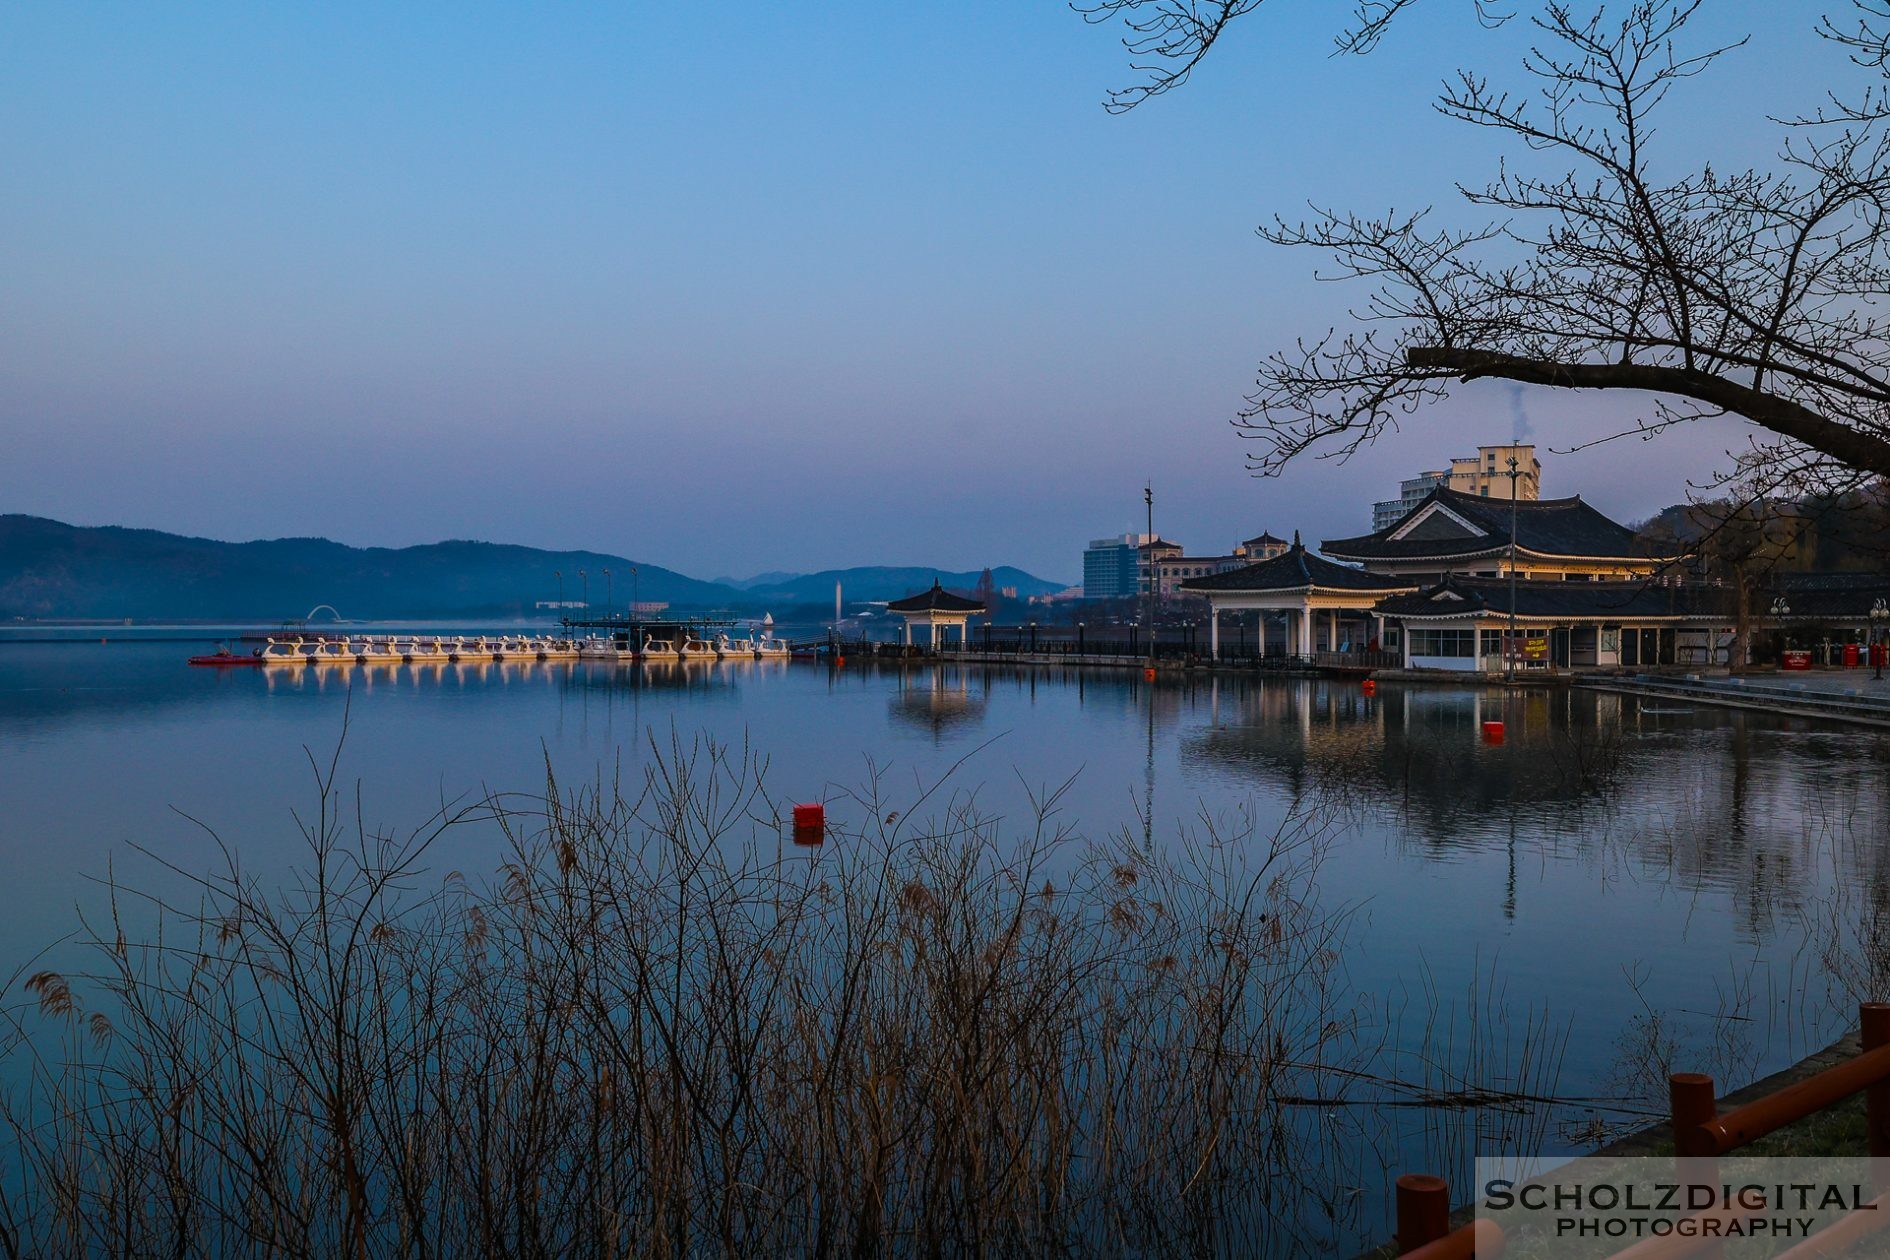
1159, 544
1833, 596
938, 599
1295, 570
1264, 540
1449, 524
1581, 601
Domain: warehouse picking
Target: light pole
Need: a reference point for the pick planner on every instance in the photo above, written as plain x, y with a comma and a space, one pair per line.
1509, 653
609, 599
559, 574
1780, 611
636, 598
1148, 499
585, 578
1879, 616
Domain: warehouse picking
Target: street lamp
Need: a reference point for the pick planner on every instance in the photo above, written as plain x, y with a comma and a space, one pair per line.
1079, 638
609, 600
586, 579
559, 574
1879, 617
636, 598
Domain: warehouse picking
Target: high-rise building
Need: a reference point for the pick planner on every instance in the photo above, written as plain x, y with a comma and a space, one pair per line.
1485, 474
1112, 567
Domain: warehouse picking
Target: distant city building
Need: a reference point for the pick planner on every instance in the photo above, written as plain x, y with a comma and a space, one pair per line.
1112, 567
1485, 474
1173, 570
1121, 567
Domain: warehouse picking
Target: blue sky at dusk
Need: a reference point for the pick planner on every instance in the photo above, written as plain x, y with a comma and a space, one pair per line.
727, 287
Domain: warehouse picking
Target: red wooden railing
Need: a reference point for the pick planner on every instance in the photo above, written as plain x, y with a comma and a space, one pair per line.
1699, 1132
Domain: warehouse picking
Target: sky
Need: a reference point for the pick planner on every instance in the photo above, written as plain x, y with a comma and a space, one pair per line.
733, 287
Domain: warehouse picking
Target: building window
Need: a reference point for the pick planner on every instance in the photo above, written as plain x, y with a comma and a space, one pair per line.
1458, 643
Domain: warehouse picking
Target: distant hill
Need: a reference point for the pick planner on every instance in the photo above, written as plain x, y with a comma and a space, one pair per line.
49, 569
879, 582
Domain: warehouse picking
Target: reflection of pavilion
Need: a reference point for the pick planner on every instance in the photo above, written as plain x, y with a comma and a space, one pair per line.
936, 701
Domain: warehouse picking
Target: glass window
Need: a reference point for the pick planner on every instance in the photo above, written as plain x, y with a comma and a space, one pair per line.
1428, 642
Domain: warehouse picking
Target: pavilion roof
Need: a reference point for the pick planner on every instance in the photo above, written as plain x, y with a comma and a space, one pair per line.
1297, 569
938, 599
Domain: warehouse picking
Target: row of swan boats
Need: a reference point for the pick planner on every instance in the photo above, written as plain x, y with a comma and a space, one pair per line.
418, 649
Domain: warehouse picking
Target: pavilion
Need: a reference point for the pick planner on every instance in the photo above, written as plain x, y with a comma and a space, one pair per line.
1312, 591
937, 608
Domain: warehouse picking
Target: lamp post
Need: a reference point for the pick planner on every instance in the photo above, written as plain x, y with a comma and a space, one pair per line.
1079, 638
1780, 611
559, 574
1033, 638
1509, 654
585, 578
610, 600
636, 597
1879, 617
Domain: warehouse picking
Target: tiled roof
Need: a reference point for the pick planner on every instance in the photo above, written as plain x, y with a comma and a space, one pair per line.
938, 599
1550, 527
1296, 569
1462, 597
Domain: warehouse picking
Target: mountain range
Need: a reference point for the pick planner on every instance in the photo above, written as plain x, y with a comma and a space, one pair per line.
49, 569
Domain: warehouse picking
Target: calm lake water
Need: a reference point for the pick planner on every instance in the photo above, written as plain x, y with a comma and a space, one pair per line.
1606, 861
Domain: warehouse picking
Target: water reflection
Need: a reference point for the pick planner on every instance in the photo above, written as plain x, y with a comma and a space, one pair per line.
936, 700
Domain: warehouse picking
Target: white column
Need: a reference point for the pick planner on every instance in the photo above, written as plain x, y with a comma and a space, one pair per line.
1214, 632
908, 632
1305, 631
932, 624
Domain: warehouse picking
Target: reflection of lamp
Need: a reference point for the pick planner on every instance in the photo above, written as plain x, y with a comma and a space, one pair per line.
1879, 617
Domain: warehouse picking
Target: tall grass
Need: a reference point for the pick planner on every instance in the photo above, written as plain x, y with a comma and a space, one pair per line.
659, 1029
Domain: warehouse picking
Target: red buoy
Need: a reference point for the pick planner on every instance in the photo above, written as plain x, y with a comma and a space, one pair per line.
810, 824
1369, 687
1492, 732
1148, 675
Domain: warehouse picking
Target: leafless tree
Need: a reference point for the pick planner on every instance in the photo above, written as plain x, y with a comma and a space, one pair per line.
1752, 295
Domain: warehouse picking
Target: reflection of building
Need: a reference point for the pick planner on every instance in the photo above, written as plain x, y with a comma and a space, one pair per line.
1485, 475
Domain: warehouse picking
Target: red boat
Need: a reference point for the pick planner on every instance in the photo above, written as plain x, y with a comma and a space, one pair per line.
223, 657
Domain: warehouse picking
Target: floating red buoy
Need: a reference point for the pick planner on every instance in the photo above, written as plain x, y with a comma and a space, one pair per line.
1369, 687
1492, 732
839, 660
1148, 675
810, 824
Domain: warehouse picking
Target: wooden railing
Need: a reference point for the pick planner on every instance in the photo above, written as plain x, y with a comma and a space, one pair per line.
1700, 1131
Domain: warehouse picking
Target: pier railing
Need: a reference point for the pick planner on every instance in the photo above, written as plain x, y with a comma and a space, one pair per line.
1700, 1132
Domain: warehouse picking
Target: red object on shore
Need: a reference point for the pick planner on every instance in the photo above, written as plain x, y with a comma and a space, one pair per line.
810, 824
1369, 687
1794, 660
1852, 656
1148, 674
225, 660
1492, 732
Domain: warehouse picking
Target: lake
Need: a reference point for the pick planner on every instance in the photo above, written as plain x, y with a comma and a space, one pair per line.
1606, 863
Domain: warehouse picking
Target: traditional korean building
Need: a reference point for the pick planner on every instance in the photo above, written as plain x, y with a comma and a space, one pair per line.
1322, 602
1451, 533
937, 609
